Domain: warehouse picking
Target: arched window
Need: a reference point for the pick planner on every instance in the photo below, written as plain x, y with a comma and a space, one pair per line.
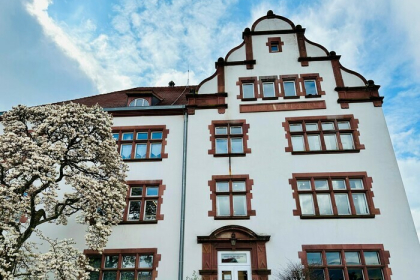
139, 102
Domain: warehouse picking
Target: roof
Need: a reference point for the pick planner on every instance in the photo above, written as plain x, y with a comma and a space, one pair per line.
175, 95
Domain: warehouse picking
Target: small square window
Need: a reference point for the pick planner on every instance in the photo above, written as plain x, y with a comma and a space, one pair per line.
289, 88
327, 125
238, 186
222, 186
344, 125
311, 126
304, 185
321, 185
268, 89
310, 87
248, 91
136, 191
152, 191
116, 136
352, 258
157, 135
356, 184
333, 258
314, 258
127, 136
274, 47
142, 135
294, 127
221, 130
372, 258
236, 130
339, 184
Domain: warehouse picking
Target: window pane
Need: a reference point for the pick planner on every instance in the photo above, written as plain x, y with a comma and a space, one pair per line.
268, 89
221, 130
342, 202
344, 125
223, 205
295, 127
126, 151
238, 186
95, 261
142, 135
306, 204
352, 258
127, 275
134, 210
304, 185
157, 135
109, 275
289, 88
330, 141
152, 191
371, 258
222, 186
333, 258
336, 274
221, 146
355, 273
314, 143
128, 261
298, 144
311, 126
321, 185
339, 184
236, 145
141, 150
310, 87
111, 261
274, 47
375, 274
360, 204
146, 261
239, 205
136, 191
248, 90
356, 184
144, 275
127, 136
236, 130
150, 210
316, 274
156, 150
116, 136
94, 275
347, 141
327, 125
314, 258
324, 204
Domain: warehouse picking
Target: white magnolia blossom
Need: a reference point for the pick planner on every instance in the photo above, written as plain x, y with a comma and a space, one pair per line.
45, 147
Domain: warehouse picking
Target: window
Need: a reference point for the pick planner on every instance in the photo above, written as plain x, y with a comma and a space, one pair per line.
231, 197
333, 195
141, 143
311, 85
274, 44
229, 138
248, 88
144, 199
139, 102
289, 86
268, 89
347, 262
323, 134
124, 264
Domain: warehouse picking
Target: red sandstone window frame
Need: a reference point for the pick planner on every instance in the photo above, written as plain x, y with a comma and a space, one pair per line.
228, 124
329, 177
247, 80
335, 119
137, 253
143, 198
274, 41
317, 79
268, 79
361, 249
214, 193
120, 130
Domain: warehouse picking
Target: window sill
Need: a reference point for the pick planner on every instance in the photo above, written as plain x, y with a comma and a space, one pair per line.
291, 97
313, 96
232, 218
325, 152
270, 98
249, 99
142, 159
230, 155
138, 222
370, 216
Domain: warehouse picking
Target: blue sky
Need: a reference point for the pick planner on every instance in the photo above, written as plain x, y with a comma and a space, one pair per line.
53, 51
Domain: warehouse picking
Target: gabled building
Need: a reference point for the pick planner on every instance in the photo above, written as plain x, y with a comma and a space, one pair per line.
281, 156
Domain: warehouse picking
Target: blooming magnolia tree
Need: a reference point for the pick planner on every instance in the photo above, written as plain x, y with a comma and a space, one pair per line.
56, 161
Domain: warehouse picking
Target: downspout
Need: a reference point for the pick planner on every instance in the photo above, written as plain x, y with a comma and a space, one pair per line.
183, 197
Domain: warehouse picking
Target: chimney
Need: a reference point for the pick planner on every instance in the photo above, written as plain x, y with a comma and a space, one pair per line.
171, 84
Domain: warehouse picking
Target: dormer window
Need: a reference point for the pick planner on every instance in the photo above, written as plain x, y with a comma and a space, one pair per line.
139, 102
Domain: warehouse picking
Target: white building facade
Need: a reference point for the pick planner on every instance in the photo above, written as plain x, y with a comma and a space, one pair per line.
282, 156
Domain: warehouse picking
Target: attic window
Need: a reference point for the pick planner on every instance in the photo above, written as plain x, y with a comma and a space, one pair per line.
139, 102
